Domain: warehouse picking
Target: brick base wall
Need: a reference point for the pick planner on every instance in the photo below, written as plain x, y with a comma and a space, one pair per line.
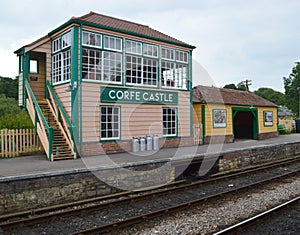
27, 193
218, 139
110, 147
245, 158
268, 135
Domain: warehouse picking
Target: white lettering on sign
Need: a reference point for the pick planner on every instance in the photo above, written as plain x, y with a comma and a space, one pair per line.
111, 94
141, 96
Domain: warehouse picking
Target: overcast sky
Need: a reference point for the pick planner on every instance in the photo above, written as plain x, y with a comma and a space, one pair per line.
258, 40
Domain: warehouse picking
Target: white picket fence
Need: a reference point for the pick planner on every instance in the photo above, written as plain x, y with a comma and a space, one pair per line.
14, 143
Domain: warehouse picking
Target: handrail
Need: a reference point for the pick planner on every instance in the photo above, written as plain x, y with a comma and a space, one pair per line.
66, 124
62, 110
43, 123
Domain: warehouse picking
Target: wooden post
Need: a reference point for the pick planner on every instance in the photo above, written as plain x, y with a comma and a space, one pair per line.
2, 143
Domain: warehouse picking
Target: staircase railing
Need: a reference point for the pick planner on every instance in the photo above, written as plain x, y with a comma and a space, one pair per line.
62, 117
44, 131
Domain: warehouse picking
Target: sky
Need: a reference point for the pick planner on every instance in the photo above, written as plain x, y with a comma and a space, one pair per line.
257, 40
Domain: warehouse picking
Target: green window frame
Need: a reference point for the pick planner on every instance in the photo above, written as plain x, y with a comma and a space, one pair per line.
110, 122
91, 39
112, 43
21, 59
61, 58
102, 66
170, 121
143, 64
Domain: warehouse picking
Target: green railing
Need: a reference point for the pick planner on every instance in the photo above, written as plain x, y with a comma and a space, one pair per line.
61, 114
41, 126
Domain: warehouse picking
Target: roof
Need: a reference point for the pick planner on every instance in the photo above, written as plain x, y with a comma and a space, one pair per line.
110, 23
127, 27
213, 95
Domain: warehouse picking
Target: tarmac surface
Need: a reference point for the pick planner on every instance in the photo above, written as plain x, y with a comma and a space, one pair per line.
38, 165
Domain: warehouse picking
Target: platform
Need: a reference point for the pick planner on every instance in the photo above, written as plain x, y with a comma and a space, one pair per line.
38, 166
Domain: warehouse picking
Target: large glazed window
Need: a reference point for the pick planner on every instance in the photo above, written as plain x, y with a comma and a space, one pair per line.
109, 122
105, 57
61, 58
134, 69
61, 67
101, 65
150, 72
169, 121
112, 66
141, 71
174, 75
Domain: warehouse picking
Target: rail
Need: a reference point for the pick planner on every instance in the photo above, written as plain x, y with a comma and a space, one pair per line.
136, 219
238, 227
61, 115
44, 131
157, 213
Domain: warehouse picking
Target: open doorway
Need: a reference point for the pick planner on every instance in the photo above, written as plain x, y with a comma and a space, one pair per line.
245, 124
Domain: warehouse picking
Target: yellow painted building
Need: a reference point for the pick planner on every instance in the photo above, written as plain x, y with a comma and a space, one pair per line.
226, 115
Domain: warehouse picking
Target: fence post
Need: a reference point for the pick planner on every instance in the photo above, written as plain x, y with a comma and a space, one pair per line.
2, 143
16, 142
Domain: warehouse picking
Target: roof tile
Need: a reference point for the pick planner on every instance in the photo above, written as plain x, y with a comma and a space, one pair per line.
125, 25
213, 95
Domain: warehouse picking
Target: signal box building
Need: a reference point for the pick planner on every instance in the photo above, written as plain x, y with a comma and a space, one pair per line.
226, 115
95, 82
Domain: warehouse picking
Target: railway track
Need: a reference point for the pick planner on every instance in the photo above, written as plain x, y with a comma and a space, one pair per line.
93, 219
240, 227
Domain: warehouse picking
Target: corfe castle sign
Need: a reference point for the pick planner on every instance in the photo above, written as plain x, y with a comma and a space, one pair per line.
141, 96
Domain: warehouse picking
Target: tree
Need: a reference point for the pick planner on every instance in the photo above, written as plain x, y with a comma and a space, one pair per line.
230, 86
240, 86
11, 116
269, 94
9, 87
291, 86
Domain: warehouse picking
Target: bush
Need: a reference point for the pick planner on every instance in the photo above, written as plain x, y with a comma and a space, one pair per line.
12, 116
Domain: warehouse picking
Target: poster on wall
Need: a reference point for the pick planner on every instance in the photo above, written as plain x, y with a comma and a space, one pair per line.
268, 118
219, 118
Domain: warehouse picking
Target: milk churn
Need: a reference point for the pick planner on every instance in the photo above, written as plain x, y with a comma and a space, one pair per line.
142, 143
155, 142
149, 142
135, 144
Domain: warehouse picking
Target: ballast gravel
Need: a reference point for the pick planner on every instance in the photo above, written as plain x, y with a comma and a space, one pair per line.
211, 217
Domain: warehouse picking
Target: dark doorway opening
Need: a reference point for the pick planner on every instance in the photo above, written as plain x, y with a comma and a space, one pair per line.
243, 125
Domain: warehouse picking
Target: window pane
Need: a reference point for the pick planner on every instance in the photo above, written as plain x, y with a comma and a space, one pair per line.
109, 122
112, 43
33, 66
91, 39
133, 69
167, 71
150, 50
182, 56
150, 72
133, 47
167, 53
91, 64
66, 40
169, 121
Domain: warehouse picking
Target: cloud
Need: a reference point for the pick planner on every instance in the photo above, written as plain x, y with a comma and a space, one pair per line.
235, 40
